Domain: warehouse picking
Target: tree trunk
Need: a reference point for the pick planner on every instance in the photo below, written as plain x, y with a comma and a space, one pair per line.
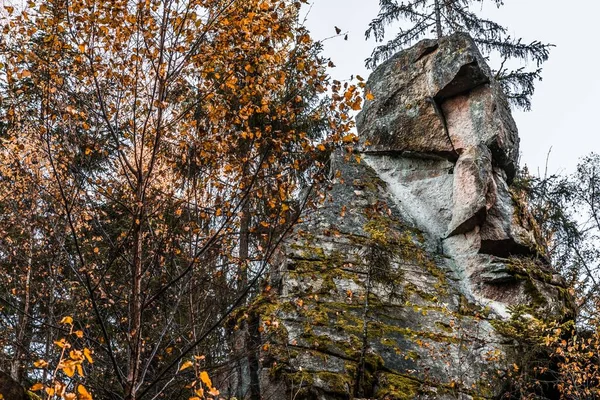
252, 340
438, 19
23, 337
16, 368
135, 313
253, 347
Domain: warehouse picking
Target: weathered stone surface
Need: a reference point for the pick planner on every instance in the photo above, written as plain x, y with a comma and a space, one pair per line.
482, 116
474, 190
439, 98
395, 287
416, 307
505, 232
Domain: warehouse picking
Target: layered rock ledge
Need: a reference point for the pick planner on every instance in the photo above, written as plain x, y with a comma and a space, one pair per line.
398, 286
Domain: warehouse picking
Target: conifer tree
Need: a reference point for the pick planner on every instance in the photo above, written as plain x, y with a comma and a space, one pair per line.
443, 17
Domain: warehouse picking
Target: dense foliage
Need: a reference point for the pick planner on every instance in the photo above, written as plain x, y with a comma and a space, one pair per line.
150, 154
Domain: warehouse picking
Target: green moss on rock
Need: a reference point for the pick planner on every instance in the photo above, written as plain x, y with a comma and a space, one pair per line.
397, 387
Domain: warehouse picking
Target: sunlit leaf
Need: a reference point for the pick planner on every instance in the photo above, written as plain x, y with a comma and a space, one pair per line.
36, 387
186, 365
83, 394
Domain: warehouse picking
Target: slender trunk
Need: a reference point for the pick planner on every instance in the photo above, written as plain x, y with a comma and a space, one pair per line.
135, 315
438, 19
253, 346
244, 250
243, 253
252, 341
49, 319
16, 368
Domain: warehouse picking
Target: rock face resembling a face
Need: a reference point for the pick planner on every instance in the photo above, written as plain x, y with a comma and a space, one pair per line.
439, 97
394, 287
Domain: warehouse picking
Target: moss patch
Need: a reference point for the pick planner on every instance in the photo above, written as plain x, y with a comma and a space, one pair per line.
397, 387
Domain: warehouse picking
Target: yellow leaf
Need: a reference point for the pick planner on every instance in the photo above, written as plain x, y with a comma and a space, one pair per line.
83, 393
206, 379
88, 355
370, 96
67, 320
88, 151
79, 370
40, 364
79, 334
349, 138
69, 370
213, 392
36, 387
70, 396
82, 48
186, 365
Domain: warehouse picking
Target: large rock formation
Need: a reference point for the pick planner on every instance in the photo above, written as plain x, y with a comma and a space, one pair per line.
398, 286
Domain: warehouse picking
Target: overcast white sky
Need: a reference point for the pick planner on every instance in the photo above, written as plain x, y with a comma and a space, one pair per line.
564, 115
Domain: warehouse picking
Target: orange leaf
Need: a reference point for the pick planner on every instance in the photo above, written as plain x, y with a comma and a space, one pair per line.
186, 365
69, 370
88, 355
206, 379
83, 394
36, 387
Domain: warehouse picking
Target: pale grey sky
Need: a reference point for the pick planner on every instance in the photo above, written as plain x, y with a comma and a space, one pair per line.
564, 114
